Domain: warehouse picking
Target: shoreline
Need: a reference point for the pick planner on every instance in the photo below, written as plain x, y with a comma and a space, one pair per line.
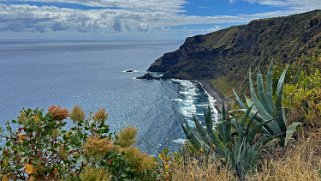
218, 97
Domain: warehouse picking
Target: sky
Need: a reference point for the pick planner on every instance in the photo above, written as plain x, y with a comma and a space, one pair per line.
135, 19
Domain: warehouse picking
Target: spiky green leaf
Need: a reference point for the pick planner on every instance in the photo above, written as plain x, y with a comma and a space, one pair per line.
290, 131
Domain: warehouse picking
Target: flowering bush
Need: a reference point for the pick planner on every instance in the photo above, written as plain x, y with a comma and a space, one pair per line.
39, 146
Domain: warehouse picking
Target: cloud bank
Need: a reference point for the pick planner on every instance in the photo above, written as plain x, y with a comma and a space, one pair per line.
124, 16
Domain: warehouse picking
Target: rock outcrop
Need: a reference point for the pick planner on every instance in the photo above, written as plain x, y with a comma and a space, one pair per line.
148, 76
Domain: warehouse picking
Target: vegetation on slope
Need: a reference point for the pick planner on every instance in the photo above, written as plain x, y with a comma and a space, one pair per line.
264, 116
230, 52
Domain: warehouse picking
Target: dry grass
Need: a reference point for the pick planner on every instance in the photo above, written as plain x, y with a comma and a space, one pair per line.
196, 170
301, 162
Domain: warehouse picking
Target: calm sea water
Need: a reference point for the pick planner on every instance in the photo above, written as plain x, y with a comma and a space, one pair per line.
90, 74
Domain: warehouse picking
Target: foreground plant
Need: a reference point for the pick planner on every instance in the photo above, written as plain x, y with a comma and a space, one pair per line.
236, 140
39, 146
266, 108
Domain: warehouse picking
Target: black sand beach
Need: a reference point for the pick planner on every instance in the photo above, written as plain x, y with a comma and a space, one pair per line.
220, 99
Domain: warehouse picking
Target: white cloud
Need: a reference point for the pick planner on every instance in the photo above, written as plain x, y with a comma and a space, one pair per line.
303, 5
44, 19
126, 16
172, 6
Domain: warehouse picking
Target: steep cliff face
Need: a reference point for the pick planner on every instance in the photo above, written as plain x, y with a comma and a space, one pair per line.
233, 50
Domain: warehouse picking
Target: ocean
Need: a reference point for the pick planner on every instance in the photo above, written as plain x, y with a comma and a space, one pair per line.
92, 74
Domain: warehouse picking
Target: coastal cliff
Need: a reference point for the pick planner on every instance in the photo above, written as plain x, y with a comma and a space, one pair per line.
230, 52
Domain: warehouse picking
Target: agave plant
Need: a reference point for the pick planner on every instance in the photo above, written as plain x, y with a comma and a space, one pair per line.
236, 140
266, 108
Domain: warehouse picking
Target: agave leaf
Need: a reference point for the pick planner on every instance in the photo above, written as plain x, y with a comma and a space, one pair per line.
208, 118
249, 103
254, 110
238, 150
202, 132
266, 128
269, 87
224, 113
271, 141
261, 92
239, 101
279, 114
248, 126
209, 125
246, 115
257, 129
259, 119
224, 129
281, 81
256, 101
239, 129
190, 136
220, 147
290, 130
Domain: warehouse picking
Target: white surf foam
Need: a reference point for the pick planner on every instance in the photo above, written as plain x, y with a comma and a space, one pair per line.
179, 141
193, 100
187, 92
212, 103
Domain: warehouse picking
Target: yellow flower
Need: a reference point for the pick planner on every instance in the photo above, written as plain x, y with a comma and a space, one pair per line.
22, 136
22, 117
5, 178
77, 114
101, 115
32, 178
148, 163
140, 160
97, 147
55, 133
127, 137
29, 169
58, 113
68, 134
63, 154
37, 118
56, 171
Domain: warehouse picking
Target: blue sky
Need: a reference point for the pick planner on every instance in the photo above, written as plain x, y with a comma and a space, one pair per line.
135, 19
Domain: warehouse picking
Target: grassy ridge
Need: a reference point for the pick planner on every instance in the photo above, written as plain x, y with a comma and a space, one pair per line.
231, 51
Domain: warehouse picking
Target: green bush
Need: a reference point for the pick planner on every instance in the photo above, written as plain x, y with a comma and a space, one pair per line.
303, 96
39, 146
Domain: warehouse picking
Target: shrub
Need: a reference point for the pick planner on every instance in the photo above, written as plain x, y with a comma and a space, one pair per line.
39, 146
303, 98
